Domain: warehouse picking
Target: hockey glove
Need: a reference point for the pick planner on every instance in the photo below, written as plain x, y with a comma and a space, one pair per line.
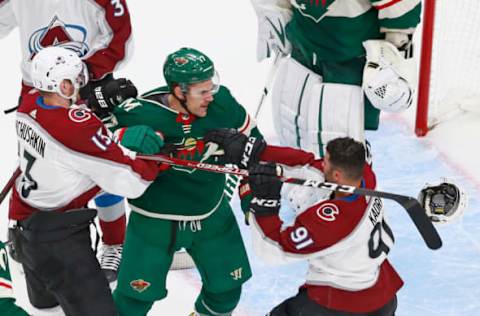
265, 186
271, 33
141, 138
238, 149
103, 99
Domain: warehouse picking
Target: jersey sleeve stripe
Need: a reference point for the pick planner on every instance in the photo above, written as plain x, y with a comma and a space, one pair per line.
5, 284
106, 60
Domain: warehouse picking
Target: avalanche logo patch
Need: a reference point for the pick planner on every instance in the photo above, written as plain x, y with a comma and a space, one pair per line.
79, 115
328, 212
59, 33
139, 285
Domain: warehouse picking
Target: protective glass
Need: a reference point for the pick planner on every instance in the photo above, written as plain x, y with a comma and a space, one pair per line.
201, 93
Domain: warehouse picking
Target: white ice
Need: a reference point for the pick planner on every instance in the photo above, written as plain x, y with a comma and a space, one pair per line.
443, 282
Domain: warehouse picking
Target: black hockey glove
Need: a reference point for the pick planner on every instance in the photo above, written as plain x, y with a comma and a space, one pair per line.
239, 149
103, 99
265, 186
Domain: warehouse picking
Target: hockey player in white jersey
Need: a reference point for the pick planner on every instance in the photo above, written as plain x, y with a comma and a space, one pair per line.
100, 33
67, 157
344, 237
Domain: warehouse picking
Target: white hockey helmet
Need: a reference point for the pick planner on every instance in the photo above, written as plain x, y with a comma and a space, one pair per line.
388, 78
443, 201
54, 64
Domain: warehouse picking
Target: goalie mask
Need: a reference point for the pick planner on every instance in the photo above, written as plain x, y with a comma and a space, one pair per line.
388, 78
443, 201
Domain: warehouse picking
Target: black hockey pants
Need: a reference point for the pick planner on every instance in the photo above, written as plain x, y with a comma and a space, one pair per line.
302, 305
60, 265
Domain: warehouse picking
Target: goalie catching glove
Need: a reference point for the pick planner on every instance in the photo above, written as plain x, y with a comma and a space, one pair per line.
103, 99
239, 149
443, 201
266, 187
388, 78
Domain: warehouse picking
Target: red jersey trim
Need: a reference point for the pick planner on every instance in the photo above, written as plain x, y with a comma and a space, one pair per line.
364, 301
104, 61
386, 5
19, 210
287, 156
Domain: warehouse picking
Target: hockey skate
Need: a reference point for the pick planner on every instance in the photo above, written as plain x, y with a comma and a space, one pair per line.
110, 261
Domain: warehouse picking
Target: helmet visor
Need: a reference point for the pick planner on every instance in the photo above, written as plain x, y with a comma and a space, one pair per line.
198, 92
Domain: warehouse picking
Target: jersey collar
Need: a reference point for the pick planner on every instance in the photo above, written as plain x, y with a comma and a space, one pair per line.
41, 103
353, 197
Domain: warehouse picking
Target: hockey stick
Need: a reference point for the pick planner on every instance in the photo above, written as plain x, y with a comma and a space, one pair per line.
9, 185
268, 82
414, 209
10, 110
232, 181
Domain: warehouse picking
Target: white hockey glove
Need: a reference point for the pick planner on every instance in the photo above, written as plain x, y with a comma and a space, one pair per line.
389, 79
399, 39
300, 198
443, 201
271, 33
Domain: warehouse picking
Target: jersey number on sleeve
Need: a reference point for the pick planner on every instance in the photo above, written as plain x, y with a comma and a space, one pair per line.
28, 183
375, 244
100, 140
119, 10
300, 238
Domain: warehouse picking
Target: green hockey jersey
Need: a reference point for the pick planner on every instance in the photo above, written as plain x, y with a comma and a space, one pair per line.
7, 301
333, 30
182, 193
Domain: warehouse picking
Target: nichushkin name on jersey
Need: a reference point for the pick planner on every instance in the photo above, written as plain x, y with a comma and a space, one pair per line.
29, 135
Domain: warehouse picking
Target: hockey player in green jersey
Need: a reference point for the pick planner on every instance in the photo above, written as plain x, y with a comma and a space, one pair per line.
344, 65
184, 207
7, 301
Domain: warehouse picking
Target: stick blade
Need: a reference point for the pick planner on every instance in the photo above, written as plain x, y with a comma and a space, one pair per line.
419, 217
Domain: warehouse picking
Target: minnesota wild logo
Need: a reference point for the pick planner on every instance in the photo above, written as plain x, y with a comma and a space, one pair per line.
191, 148
313, 9
317, 10
180, 61
139, 285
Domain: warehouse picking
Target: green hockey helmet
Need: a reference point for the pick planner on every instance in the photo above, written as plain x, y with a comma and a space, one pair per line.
187, 66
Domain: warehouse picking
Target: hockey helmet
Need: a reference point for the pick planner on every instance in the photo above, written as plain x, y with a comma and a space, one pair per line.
443, 201
54, 64
187, 66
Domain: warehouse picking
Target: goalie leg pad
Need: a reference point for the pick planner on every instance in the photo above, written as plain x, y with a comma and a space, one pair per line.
294, 87
342, 113
308, 113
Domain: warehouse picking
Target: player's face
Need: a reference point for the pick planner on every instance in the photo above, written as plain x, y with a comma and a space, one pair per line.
328, 170
67, 88
199, 96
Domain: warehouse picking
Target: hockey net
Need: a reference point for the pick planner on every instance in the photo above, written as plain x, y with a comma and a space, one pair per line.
449, 82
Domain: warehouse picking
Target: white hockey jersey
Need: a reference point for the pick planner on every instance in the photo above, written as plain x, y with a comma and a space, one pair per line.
346, 242
99, 31
66, 157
